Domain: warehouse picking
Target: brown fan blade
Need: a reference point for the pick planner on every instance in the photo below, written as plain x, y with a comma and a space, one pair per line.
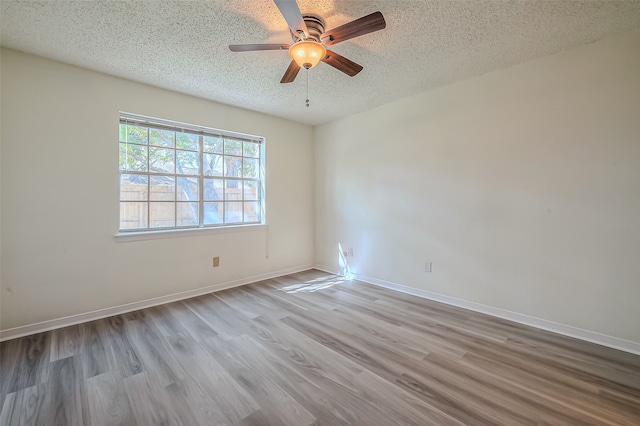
291, 73
291, 13
341, 63
254, 47
365, 25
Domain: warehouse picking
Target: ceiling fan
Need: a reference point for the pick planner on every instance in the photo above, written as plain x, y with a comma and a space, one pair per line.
310, 40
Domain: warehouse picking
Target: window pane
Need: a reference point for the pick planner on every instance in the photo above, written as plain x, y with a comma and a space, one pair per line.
161, 160
251, 190
233, 190
187, 214
233, 166
250, 168
188, 163
232, 147
212, 165
133, 215
188, 189
134, 134
232, 212
252, 211
162, 215
186, 141
134, 187
213, 213
163, 188
251, 149
213, 189
212, 144
173, 176
133, 158
161, 137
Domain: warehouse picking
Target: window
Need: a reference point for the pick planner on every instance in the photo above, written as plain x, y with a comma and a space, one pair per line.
176, 176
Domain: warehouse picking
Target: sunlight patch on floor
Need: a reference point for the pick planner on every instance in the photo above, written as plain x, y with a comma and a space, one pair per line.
314, 285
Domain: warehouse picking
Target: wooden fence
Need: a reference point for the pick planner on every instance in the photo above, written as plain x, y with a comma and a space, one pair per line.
133, 213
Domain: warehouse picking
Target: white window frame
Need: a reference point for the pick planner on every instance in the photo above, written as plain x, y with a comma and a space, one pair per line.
201, 131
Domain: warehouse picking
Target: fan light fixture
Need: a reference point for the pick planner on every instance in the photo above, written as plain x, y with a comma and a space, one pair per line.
307, 54
310, 38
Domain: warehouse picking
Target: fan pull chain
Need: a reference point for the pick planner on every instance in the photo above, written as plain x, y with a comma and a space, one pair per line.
307, 101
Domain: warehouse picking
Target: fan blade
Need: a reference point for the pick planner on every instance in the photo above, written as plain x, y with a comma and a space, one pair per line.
254, 47
365, 25
291, 73
341, 63
291, 13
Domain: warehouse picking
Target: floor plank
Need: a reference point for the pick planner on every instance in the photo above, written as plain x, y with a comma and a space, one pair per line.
152, 403
107, 401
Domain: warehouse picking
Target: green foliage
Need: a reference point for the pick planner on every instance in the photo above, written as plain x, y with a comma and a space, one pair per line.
186, 141
133, 157
161, 160
251, 149
134, 134
232, 147
250, 168
212, 144
161, 138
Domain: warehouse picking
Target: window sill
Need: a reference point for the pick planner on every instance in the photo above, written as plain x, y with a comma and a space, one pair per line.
126, 237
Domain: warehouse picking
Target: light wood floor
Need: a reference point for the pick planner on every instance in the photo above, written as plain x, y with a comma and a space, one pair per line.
311, 349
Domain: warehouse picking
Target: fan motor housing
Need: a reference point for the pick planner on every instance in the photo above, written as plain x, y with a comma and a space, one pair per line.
315, 27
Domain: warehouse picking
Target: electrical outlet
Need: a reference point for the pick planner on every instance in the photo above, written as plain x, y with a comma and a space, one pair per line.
350, 252
216, 262
427, 266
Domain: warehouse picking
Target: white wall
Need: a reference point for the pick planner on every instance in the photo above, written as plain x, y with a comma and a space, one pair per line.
521, 186
60, 196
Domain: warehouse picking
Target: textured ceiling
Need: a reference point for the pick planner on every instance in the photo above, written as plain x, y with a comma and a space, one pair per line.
182, 45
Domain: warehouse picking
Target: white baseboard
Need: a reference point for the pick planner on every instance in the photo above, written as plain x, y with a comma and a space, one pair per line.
25, 330
325, 268
566, 330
